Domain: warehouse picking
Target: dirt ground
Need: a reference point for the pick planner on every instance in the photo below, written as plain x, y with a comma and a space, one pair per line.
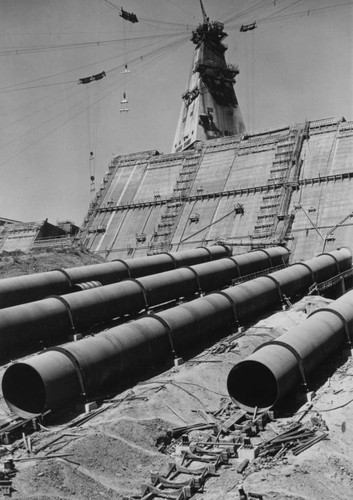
19, 263
113, 453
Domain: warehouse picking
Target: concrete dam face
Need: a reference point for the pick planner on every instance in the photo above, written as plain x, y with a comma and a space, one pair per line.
287, 186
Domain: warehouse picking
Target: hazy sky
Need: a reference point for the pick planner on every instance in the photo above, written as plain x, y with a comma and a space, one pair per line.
292, 68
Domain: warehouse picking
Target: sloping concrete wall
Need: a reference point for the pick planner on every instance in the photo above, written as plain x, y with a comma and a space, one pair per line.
291, 186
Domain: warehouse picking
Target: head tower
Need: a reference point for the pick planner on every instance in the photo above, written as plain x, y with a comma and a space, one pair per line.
210, 108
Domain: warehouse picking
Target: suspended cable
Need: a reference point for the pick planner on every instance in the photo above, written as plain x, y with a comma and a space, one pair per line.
45, 122
274, 17
44, 108
249, 10
55, 129
126, 71
306, 12
42, 48
164, 24
155, 53
163, 52
162, 49
148, 54
281, 10
38, 86
93, 92
26, 105
10, 87
181, 8
153, 21
59, 73
115, 7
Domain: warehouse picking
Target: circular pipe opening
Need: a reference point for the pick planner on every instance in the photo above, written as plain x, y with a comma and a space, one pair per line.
24, 390
252, 385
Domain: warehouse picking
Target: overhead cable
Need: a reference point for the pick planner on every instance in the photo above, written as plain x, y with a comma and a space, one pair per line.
44, 48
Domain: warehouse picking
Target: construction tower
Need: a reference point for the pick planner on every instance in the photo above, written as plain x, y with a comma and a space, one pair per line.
210, 108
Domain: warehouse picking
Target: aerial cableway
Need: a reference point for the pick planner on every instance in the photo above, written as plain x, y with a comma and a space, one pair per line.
93, 78
248, 27
128, 16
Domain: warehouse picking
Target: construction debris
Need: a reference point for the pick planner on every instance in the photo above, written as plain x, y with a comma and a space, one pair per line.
14, 429
200, 450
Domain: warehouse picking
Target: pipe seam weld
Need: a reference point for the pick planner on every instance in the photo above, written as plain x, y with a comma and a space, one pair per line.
349, 335
233, 259
125, 264
334, 258
67, 276
232, 304
76, 365
268, 255
304, 264
168, 329
68, 308
210, 256
172, 257
143, 290
194, 272
278, 286
291, 350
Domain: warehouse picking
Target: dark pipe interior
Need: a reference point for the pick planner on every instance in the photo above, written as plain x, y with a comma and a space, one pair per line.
23, 389
251, 384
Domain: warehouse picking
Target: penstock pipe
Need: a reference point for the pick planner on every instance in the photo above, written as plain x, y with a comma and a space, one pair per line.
277, 366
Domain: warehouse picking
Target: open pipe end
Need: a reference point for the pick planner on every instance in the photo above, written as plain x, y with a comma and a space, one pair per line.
23, 390
252, 386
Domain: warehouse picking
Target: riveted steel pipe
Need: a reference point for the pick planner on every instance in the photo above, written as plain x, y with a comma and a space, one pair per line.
89, 365
32, 287
95, 363
253, 297
99, 361
22, 289
25, 326
276, 366
264, 259
327, 264
51, 320
303, 274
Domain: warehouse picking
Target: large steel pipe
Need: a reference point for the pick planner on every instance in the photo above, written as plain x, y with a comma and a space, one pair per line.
50, 320
101, 361
253, 297
276, 366
24, 327
325, 265
95, 363
32, 287
271, 257
172, 260
22, 289
303, 274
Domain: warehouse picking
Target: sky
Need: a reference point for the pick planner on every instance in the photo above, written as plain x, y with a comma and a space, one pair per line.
296, 65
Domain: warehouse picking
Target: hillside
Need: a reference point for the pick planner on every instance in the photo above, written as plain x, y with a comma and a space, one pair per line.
18, 263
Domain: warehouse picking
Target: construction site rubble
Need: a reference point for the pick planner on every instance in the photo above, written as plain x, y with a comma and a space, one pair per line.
232, 438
